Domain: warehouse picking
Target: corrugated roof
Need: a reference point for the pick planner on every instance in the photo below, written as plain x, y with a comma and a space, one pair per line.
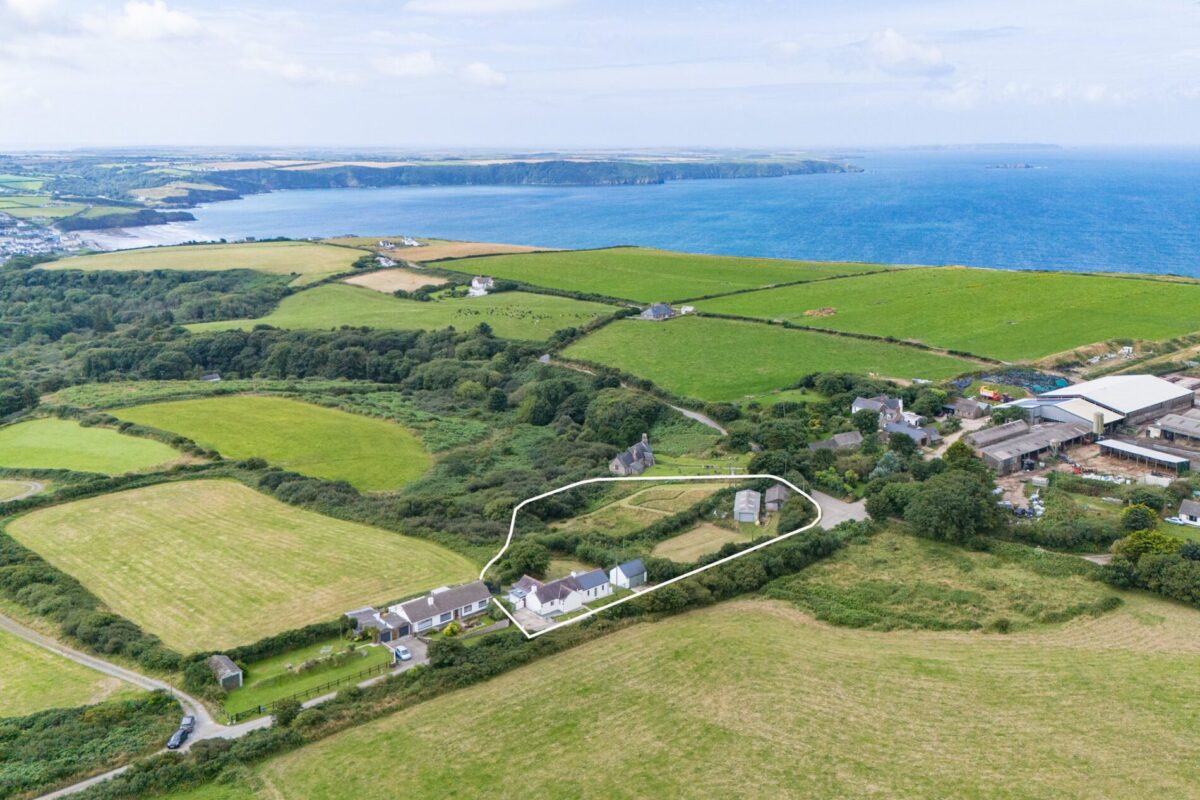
1143, 452
1124, 393
747, 501
1086, 410
1039, 438
990, 436
1178, 423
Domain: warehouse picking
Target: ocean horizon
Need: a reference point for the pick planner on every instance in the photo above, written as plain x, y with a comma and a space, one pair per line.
1049, 209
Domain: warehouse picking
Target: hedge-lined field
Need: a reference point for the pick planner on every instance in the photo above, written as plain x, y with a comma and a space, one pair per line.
635, 273
716, 359
64, 444
752, 699
33, 679
308, 261
371, 454
997, 313
513, 315
208, 564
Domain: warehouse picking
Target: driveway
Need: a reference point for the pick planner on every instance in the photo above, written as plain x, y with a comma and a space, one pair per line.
531, 621
834, 510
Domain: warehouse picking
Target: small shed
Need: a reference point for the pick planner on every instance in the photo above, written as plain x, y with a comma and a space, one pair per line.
747, 506
628, 575
1189, 512
776, 496
227, 673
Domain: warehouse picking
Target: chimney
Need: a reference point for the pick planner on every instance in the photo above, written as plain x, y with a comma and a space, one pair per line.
645, 438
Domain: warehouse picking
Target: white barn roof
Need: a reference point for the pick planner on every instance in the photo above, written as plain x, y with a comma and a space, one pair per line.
1126, 394
1087, 410
1146, 453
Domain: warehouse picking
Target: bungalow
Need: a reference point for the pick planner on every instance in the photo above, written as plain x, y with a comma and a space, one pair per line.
747, 505
561, 596
628, 575
227, 673
633, 461
481, 285
390, 626
658, 312
776, 496
519, 591
922, 436
1189, 512
850, 440
443, 605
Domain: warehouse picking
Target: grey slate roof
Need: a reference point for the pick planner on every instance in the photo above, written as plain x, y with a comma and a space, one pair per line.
440, 601
1190, 508
778, 493
990, 436
557, 590
223, 666
637, 453
590, 580
904, 429
631, 568
658, 311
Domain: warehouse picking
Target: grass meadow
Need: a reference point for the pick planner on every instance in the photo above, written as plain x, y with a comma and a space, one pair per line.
63, 444
371, 454
393, 280
754, 699
34, 679
747, 358
1008, 315
635, 273
307, 261
700, 540
512, 315
10, 489
210, 564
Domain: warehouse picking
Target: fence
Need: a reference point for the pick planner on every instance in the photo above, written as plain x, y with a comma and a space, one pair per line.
315, 691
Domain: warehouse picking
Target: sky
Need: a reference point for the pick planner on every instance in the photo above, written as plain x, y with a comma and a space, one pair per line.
529, 74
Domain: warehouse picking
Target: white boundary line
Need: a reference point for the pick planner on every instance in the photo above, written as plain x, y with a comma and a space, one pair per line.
512, 526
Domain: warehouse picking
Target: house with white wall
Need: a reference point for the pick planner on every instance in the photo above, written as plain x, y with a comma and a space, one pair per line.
443, 605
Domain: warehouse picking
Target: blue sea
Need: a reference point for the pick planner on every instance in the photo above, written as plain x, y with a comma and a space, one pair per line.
1074, 210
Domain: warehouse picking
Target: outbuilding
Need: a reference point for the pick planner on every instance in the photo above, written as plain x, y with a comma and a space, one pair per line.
227, 673
747, 506
628, 575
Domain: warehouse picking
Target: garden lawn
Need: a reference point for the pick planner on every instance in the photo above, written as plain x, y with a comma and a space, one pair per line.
1007, 315
211, 564
269, 680
752, 699
747, 358
34, 679
371, 454
308, 261
700, 540
512, 315
64, 444
635, 273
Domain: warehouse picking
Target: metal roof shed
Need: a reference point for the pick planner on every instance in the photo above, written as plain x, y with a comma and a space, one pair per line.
1119, 449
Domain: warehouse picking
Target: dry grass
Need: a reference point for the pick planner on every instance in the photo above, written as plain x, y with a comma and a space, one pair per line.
753, 700
700, 540
436, 249
675, 497
209, 564
393, 280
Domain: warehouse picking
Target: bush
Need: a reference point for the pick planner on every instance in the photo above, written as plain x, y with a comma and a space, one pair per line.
286, 711
1140, 543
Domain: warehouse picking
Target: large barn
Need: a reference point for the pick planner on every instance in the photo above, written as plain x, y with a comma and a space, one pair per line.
1136, 398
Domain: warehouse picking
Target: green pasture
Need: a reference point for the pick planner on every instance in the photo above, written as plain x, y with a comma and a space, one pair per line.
64, 444
34, 679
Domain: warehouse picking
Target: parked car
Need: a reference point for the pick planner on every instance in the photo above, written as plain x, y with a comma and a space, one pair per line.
1175, 521
403, 653
177, 739
188, 723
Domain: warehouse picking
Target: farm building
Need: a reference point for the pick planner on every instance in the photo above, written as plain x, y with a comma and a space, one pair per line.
1137, 398
390, 626
1013, 453
775, 497
851, 440
628, 575
444, 605
1144, 455
634, 461
1189, 512
481, 285
657, 312
747, 506
922, 436
990, 436
967, 408
228, 674
1184, 426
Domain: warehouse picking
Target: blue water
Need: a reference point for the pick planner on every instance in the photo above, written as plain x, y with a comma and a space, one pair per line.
1078, 210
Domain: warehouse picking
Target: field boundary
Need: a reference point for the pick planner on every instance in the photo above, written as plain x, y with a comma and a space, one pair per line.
594, 611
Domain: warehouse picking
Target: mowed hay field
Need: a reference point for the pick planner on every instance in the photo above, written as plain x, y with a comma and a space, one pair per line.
392, 280
63, 444
700, 540
371, 454
10, 489
34, 679
1002, 314
752, 699
308, 261
513, 315
210, 564
635, 273
432, 249
747, 358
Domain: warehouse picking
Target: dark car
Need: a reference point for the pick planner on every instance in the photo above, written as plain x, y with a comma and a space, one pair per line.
177, 739
188, 723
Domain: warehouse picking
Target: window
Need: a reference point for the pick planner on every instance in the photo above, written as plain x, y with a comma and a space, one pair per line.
482, 604
449, 615
425, 623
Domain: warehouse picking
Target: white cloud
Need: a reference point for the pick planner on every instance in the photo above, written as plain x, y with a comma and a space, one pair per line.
479, 7
30, 10
481, 74
295, 72
146, 21
890, 52
420, 64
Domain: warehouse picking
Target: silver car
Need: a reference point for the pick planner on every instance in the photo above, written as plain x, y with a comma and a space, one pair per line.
403, 653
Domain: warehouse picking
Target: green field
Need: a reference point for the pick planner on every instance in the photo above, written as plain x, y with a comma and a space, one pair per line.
747, 358
635, 273
44, 211
700, 540
21, 183
1002, 314
755, 700
62, 444
512, 315
371, 454
899, 581
277, 677
10, 489
34, 679
308, 261
210, 564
